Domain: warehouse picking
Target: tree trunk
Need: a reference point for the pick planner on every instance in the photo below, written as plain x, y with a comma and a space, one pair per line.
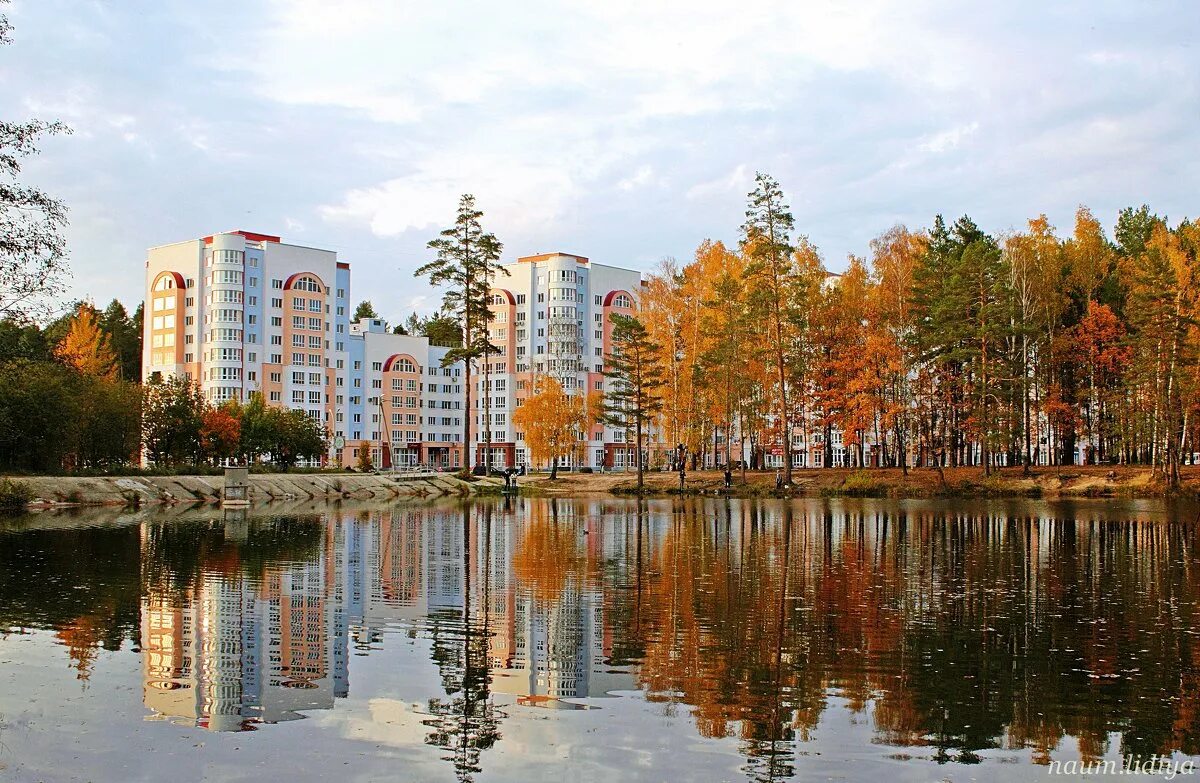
638, 454
467, 461
487, 409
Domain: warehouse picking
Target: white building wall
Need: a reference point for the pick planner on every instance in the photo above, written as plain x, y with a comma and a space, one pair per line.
556, 328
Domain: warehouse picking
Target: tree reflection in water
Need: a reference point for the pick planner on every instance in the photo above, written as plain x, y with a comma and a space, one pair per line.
951, 631
467, 721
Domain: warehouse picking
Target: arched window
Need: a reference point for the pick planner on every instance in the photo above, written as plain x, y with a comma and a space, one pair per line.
164, 283
622, 300
305, 282
400, 364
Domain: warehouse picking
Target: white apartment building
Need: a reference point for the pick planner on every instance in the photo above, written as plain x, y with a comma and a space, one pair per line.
400, 403
551, 316
241, 312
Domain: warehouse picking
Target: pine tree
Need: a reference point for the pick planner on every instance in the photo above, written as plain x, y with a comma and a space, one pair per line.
125, 338
766, 244
635, 366
365, 310
466, 261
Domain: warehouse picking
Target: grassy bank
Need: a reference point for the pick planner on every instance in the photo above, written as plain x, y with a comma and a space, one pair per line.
1056, 481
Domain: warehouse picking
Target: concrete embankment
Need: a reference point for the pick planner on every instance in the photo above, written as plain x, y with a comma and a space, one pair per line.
267, 487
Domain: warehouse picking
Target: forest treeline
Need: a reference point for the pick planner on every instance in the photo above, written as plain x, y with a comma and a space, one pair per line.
945, 346
71, 400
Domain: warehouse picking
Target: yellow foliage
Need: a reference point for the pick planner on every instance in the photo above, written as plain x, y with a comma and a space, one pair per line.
86, 346
552, 420
548, 557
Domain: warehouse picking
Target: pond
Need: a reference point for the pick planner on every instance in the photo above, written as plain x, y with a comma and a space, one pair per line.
601, 639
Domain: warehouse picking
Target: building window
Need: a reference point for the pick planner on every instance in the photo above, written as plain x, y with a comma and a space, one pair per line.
307, 283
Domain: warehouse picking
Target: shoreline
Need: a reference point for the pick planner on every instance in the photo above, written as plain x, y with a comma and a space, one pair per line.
1046, 482
54, 492
1065, 481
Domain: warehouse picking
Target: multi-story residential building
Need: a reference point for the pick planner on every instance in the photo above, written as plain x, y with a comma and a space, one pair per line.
552, 315
401, 403
241, 312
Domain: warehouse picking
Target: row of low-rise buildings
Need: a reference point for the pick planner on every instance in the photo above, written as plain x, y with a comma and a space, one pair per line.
244, 313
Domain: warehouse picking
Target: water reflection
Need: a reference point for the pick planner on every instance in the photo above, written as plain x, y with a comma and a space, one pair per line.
241, 622
951, 632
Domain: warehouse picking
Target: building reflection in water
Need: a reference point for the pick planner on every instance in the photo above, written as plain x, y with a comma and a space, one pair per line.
245, 640
945, 629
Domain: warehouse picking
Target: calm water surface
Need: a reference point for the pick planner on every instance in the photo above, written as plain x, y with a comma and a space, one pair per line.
598, 640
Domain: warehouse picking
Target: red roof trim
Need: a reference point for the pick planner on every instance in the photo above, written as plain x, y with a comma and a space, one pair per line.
548, 256
287, 284
251, 235
179, 282
613, 295
387, 366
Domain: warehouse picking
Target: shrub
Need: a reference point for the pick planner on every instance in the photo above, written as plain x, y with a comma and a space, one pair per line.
862, 484
14, 494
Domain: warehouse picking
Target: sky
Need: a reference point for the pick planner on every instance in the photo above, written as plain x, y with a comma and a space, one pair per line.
625, 131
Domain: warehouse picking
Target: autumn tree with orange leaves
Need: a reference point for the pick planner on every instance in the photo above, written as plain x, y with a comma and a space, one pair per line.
220, 433
554, 422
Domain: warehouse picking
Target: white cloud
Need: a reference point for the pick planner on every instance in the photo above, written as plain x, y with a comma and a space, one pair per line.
517, 198
640, 178
948, 139
737, 181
